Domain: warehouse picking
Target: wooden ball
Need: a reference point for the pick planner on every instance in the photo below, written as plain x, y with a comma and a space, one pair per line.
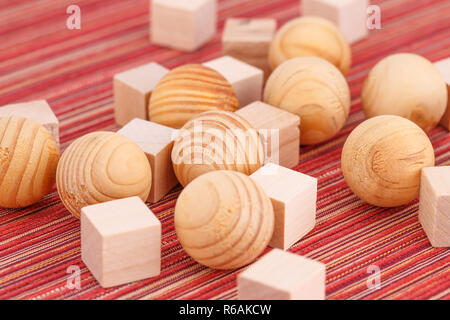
382, 160
216, 140
101, 167
316, 91
187, 91
28, 160
310, 36
406, 85
224, 220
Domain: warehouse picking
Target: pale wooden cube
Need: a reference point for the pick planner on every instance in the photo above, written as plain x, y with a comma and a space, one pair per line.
434, 206
249, 40
157, 142
282, 275
349, 15
120, 241
279, 129
38, 111
444, 67
132, 91
183, 25
246, 80
294, 197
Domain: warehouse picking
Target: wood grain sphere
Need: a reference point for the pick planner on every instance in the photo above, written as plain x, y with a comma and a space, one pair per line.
310, 36
187, 91
382, 160
28, 160
224, 220
406, 85
216, 140
316, 91
99, 167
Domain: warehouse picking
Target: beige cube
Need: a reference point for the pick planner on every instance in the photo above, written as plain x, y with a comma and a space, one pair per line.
120, 241
434, 206
183, 25
247, 81
349, 15
157, 142
444, 67
282, 275
38, 110
249, 40
132, 91
293, 196
280, 131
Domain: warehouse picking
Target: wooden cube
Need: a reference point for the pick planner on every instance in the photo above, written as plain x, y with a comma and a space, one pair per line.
120, 241
280, 131
349, 15
434, 206
249, 40
247, 81
293, 196
282, 275
38, 110
183, 25
156, 141
444, 67
132, 91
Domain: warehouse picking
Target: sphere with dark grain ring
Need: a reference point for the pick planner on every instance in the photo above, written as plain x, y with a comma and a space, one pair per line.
382, 160
224, 219
216, 140
28, 160
100, 167
187, 91
310, 36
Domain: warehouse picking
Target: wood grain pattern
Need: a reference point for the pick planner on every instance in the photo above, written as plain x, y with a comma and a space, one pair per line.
316, 91
187, 91
216, 140
310, 36
406, 85
99, 167
224, 220
382, 160
28, 160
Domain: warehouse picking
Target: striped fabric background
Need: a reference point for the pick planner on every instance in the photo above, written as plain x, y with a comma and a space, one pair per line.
73, 70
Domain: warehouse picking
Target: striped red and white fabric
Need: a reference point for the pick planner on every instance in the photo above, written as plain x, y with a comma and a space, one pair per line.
73, 70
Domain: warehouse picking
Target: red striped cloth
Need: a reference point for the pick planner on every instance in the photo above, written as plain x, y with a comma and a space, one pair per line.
73, 69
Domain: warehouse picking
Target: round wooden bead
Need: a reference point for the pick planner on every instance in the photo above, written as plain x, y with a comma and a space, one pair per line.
406, 85
224, 220
382, 160
316, 91
28, 160
216, 140
187, 91
310, 36
100, 167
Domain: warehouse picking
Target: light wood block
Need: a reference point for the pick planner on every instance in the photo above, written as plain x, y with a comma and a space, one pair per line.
246, 80
282, 275
279, 129
349, 15
444, 67
434, 206
183, 25
132, 91
157, 142
38, 111
249, 40
120, 241
293, 196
